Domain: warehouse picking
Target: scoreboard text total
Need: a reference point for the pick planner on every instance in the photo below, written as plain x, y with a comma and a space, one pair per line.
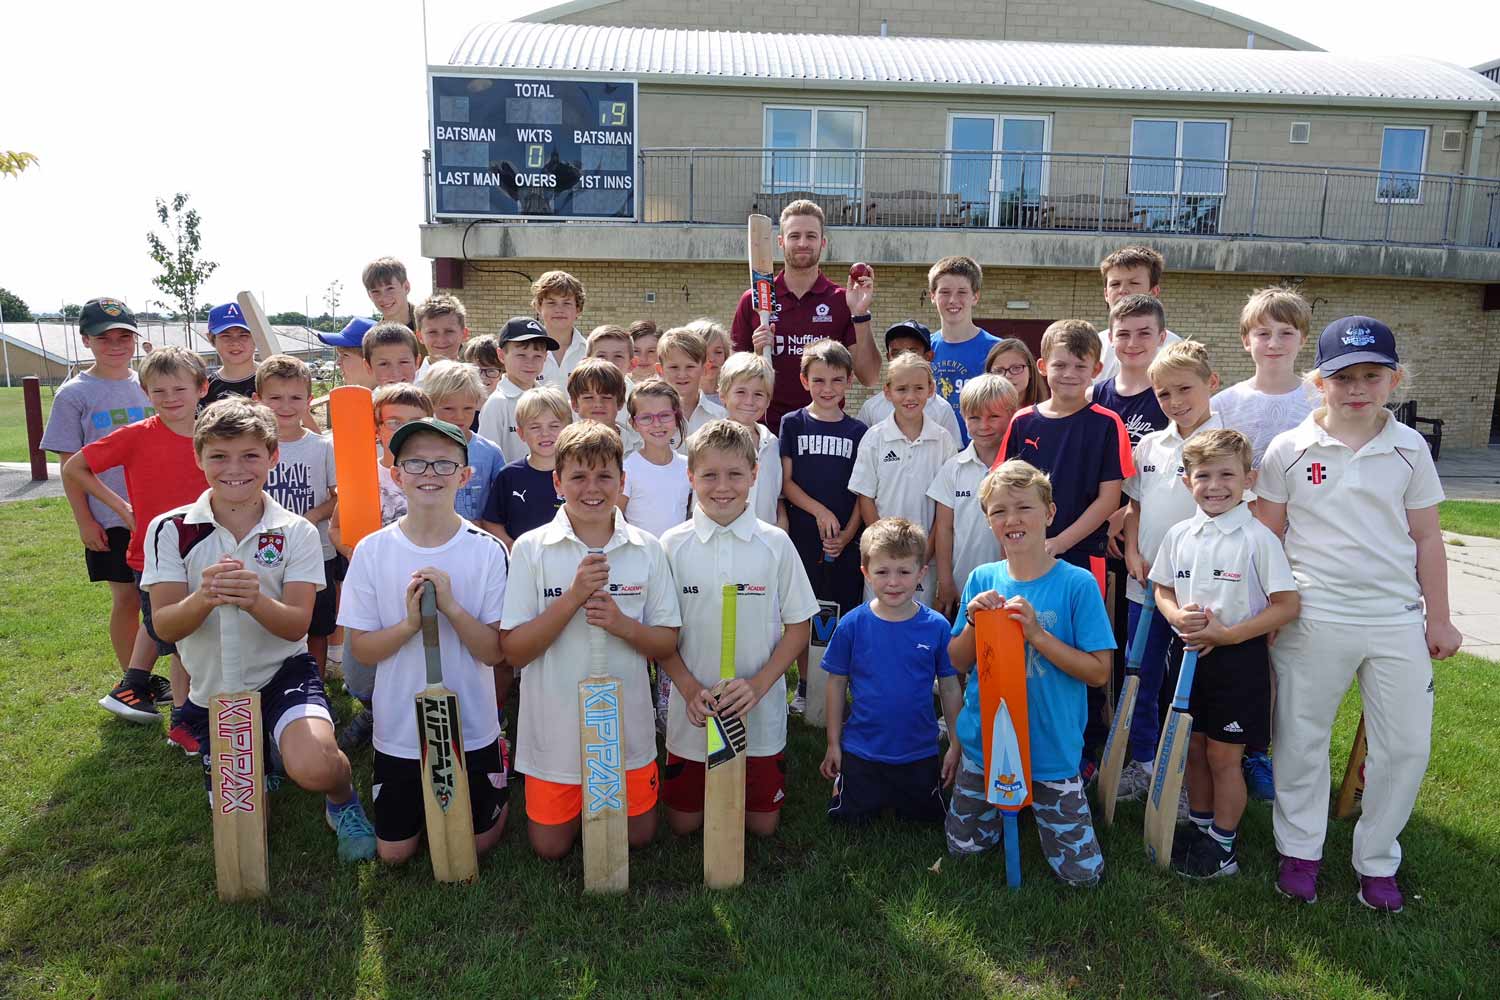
533, 148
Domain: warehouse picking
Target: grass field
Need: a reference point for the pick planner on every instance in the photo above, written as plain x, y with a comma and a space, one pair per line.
13, 423
1471, 517
106, 878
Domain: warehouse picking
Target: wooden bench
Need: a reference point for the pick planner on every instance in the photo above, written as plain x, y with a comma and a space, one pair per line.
1407, 414
913, 208
1087, 211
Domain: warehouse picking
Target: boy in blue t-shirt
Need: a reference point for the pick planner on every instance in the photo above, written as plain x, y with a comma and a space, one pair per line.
1069, 648
960, 348
524, 496
889, 651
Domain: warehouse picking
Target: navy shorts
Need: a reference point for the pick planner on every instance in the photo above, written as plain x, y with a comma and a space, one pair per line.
162, 648
295, 692
339, 565
866, 788
110, 567
399, 809
1231, 697
326, 604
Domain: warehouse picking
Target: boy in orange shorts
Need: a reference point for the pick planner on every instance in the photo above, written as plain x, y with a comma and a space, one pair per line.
555, 595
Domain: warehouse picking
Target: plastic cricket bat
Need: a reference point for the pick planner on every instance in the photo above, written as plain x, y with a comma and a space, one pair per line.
445, 782
1171, 763
1119, 728
761, 249
1004, 726
823, 624
724, 780
601, 742
237, 755
1352, 791
260, 329
351, 412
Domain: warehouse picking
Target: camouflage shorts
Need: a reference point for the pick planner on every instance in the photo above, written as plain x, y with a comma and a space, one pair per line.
1062, 820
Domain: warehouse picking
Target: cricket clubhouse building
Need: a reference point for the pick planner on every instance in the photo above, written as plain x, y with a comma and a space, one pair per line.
627, 140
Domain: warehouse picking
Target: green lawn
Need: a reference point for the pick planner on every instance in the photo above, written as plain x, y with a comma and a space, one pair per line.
106, 878
13, 423
1470, 517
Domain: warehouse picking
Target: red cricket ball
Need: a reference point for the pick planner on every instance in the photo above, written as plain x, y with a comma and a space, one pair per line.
860, 270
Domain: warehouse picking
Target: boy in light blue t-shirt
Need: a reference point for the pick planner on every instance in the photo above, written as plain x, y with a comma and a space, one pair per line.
1069, 645
889, 651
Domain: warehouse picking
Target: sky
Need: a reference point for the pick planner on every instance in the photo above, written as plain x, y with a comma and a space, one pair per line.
298, 129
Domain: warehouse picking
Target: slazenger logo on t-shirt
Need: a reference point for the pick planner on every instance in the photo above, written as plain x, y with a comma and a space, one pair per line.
627, 589
820, 314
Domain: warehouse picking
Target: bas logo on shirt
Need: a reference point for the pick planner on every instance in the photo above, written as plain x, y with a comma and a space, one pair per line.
689, 590
269, 548
552, 592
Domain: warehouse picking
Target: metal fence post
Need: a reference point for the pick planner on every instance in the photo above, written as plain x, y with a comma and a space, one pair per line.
1254, 197
1099, 215
1447, 207
1390, 205
1323, 210
692, 180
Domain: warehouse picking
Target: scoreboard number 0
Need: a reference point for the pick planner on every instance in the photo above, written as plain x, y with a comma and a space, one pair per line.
535, 156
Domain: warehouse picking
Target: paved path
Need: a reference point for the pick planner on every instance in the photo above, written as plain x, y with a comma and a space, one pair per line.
16, 484
1474, 592
1470, 473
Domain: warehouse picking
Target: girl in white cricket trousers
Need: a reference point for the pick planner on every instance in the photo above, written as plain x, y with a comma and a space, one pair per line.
1356, 493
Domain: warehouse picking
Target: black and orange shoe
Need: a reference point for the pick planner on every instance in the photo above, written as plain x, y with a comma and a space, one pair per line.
161, 690
132, 699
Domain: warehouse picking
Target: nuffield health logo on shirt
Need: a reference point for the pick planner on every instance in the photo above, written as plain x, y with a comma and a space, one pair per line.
1358, 337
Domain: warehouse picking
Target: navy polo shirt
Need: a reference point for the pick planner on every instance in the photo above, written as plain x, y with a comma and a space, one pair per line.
821, 313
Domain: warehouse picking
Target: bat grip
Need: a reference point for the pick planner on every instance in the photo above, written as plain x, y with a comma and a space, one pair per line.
429, 615
596, 641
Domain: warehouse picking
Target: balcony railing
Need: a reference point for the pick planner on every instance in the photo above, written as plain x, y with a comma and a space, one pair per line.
1075, 193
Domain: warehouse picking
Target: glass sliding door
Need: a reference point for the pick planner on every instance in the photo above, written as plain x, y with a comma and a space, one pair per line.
997, 167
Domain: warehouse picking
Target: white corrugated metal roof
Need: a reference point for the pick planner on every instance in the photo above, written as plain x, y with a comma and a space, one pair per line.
946, 64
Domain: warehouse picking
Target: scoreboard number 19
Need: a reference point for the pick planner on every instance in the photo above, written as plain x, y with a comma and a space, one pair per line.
612, 113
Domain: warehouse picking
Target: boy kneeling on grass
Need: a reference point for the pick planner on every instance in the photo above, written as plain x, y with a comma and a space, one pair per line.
234, 566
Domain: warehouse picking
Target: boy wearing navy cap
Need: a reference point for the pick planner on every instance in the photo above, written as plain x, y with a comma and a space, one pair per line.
524, 344
348, 351
230, 336
909, 337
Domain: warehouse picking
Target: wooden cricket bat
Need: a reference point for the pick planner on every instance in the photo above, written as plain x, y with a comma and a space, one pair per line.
1119, 727
260, 329
815, 713
1171, 763
724, 780
601, 740
237, 756
1352, 791
1004, 725
761, 249
445, 781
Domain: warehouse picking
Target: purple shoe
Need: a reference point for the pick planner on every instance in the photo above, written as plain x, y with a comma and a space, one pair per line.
1298, 879
1381, 893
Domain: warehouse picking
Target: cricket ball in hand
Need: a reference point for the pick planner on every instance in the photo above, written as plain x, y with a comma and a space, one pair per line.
860, 270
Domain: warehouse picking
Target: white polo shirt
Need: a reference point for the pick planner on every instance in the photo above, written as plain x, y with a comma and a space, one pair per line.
957, 488
374, 598
282, 548
1347, 535
766, 489
497, 420
896, 473
554, 372
705, 411
877, 408
543, 564
773, 592
1229, 563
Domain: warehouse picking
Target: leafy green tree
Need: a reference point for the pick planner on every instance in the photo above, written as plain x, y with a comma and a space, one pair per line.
183, 271
72, 311
13, 163
13, 308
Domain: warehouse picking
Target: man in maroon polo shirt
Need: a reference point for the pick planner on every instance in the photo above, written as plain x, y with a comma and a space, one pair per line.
809, 308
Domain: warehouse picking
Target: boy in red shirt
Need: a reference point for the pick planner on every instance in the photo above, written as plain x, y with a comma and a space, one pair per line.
161, 472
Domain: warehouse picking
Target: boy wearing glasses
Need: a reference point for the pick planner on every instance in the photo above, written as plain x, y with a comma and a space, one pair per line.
381, 613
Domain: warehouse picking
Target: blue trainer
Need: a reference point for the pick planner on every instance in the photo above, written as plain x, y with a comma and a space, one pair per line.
356, 835
1258, 777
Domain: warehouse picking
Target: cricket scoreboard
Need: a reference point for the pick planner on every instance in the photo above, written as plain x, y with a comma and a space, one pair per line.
532, 148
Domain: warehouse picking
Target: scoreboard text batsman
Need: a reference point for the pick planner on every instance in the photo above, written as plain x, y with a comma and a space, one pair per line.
533, 148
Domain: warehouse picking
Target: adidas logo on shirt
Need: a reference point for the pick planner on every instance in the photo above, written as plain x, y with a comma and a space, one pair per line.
891, 456
1233, 727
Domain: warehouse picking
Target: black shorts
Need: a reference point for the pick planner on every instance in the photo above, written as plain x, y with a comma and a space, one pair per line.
1231, 697
110, 567
294, 692
399, 811
839, 581
865, 788
325, 605
162, 648
339, 565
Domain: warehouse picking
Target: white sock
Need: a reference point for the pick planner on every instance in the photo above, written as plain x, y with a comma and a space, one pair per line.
336, 651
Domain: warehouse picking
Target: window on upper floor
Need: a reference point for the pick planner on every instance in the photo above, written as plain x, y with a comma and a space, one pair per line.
819, 144
1177, 177
997, 168
1403, 157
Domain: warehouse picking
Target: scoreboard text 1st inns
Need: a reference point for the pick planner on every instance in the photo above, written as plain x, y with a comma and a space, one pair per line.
534, 148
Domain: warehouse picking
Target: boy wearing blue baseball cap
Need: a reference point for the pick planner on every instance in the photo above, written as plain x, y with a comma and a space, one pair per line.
230, 335
348, 351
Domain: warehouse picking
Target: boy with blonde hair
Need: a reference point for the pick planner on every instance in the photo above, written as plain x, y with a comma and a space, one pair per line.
523, 346
303, 479
717, 351
524, 496
611, 343
557, 300
391, 351
910, 337
457, 393
680, 354
960, 347
900, 457
442, 327
962, 539
745, 383
587, 569
384, 281
235, 568
1273, 327
726, 542
890, 651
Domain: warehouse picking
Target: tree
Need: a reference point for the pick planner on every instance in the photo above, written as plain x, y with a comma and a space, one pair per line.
12, 163
12, 308
72, 311
183, 273
333, 294
287, 319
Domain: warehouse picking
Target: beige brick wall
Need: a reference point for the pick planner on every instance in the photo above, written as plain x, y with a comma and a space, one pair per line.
1452, 345
1121, 22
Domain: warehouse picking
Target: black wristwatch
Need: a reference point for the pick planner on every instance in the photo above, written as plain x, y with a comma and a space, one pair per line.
860, 319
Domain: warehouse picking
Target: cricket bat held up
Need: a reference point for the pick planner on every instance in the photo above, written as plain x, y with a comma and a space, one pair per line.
761, 249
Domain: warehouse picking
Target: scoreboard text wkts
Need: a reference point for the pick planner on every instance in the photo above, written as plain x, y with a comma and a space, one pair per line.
520, 147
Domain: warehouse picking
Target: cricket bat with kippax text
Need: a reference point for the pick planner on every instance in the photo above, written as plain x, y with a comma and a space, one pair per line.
260, 328
1119, 727
724, 778
1171, 764
1352, 791
601, 741
1004, 726
761, 249
237, 758
445, 781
